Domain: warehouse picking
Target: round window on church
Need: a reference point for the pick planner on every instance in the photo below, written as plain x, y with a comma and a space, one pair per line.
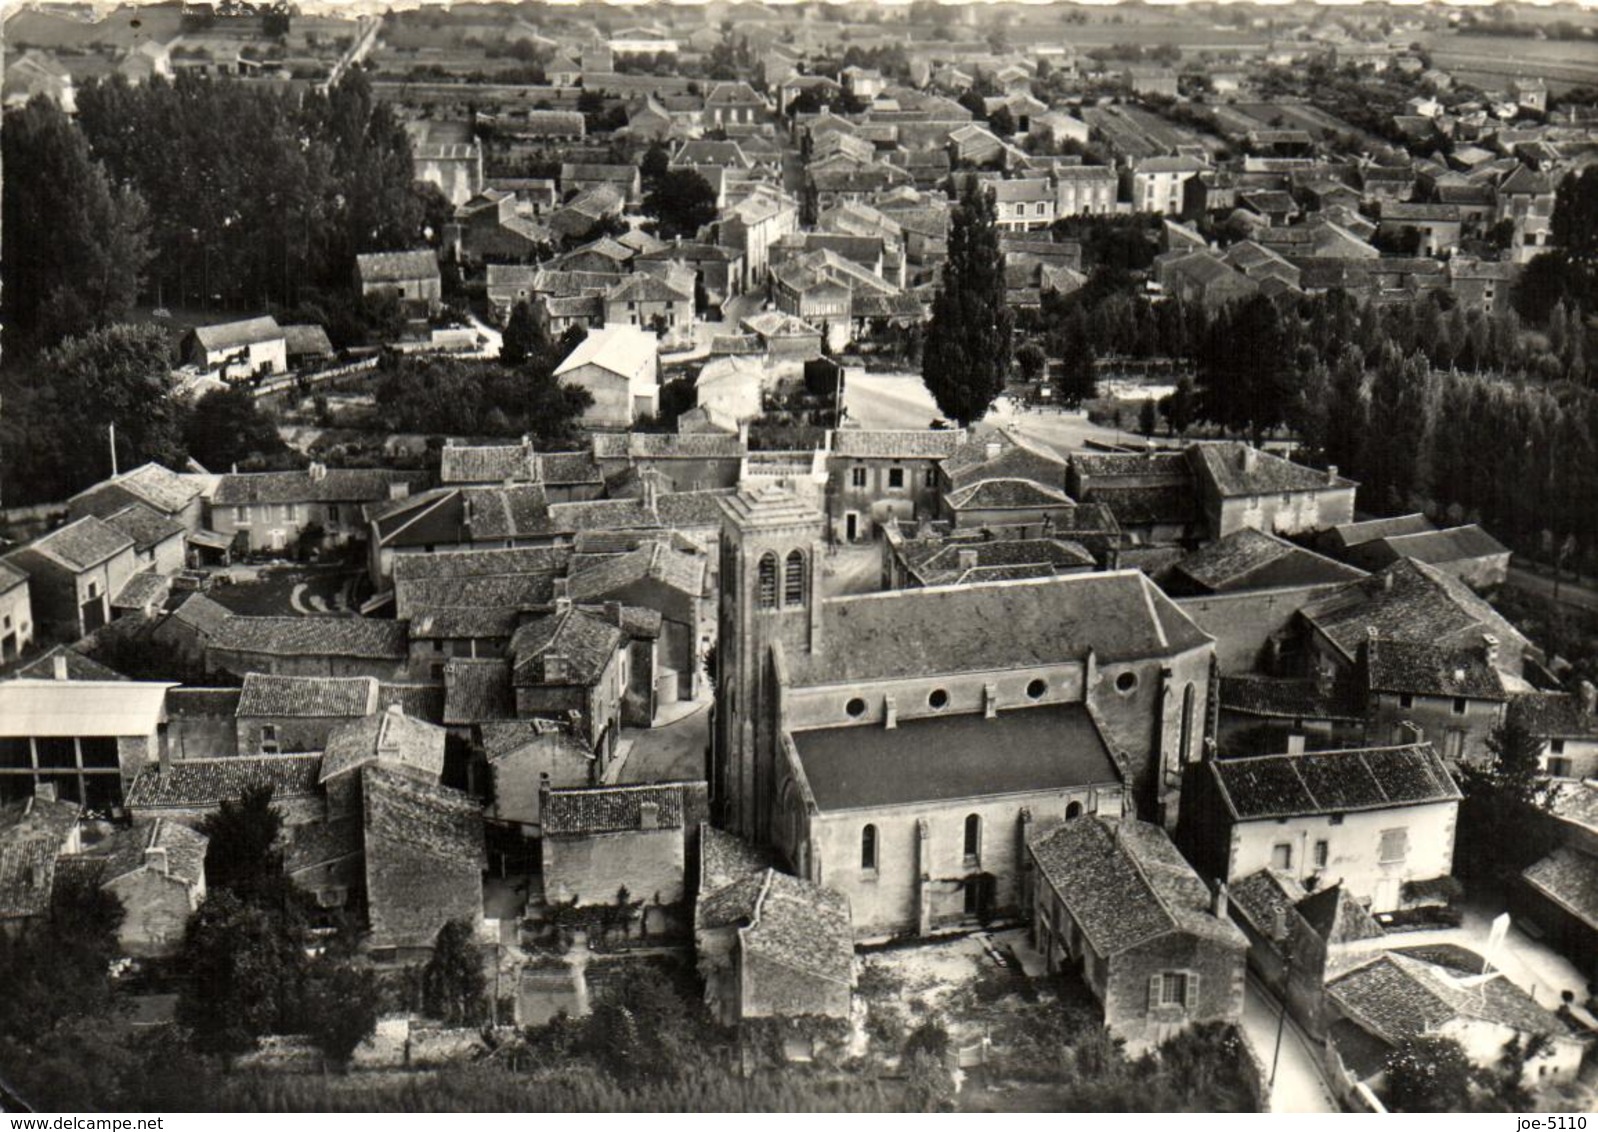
938, 700
1035, 690
855, 708
1126, 683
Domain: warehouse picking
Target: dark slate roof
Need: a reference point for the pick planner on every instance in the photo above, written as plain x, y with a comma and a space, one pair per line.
585, 641
1287, 698
1121, 615
935, 758
1569, 878
265, 696
82, 544
33, 833
802, 926
1223, 464
1273, 786
1431, 670
583, 811
1250, 559
328, 485
312, 636
476, 691
1124, 884
200, 783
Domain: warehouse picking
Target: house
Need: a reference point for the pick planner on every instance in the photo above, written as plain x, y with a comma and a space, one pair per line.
719, 270
577, 178
751, 225
1380, 819
36, 831
523, 757
292, 714
881, 697
574, 665
87, 739
1250, 560
1526, 200
309, 646
73, 574
1204, 277
306, 344
769, 945
1024, 203
1157, 183
1566, 724
963, 559
158, 540
1114, 900
1467, 553
650, 301
169, 493
1085, 190
278, 512
482, 578
1393, 997
662, 576
877, 476
1437, 227
1153, 495
1482, 285
424, 860
446, 154
600, 840
488, 463
618, 366
411, 277
190, 790
1240, 486
733, 104
254, 345
16, 613
1455, 697
156, 870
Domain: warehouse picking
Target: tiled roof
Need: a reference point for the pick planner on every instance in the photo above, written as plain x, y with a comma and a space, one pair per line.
518, 511
679, 510
160, 487
1555, 715
1427, 669
312, 845
201, 783
905, 444
579, 811
1569, 878
245, 332
503, 591
1005, 494
79, 667
936, 561
317, 697
1273, 786
655, 560
1354, 534
487, 464
1337, 917
480, 563
146, 526
312, 636
330, 485
460, 622
802, 926
927, 759
144, 590
1395, 997
1287, 699
33, 833
1121, 615
397, 267
602, 514
125, 851
391, 739
725, 857
1453, 545
419, 701
202, 614
306, 338
585, 642
569, 468
1251, 559
438, 834
82, 544
1124, 884
1228, 467
476, 691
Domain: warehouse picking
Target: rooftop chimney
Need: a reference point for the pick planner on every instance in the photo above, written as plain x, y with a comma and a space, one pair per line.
155, 858
991, 449
1490, 649
45, 791
558, 590
1409, 734
1295, 744
1218, 904
1279, 925
648, 815
58, 666
890, 713
399, 489
317, 471
1331, 473
1248, 457
967, 560
1588, 695
555, 668
990, 701
613, 611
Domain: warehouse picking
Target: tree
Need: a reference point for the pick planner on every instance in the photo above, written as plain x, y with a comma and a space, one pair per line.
1148, 417
341, 1009
1503, 815
454, 988
523, 337
1031, 360
227, 427
654, 165
1079, 381
75, 243
967, 353
1002, 122
682, 202
1180, 405
245, 970
242, 855
1428, 1073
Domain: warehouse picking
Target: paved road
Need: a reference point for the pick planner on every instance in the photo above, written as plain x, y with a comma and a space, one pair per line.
1568, 592
1299, 1086
877, 400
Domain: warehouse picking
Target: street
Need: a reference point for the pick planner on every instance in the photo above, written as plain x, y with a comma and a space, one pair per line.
1299, 1086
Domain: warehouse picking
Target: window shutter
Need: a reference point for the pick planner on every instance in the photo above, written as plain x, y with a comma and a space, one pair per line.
1154, 991
1192, 991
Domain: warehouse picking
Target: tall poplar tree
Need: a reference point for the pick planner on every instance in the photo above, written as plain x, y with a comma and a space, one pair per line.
967, 353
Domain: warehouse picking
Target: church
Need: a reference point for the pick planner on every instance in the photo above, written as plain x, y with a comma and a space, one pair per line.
901, 747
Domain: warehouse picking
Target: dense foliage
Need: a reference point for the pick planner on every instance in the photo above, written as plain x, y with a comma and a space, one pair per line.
966, 357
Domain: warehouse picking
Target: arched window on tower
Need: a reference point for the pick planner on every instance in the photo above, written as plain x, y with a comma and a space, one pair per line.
793, 579
768, 581
868, 847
